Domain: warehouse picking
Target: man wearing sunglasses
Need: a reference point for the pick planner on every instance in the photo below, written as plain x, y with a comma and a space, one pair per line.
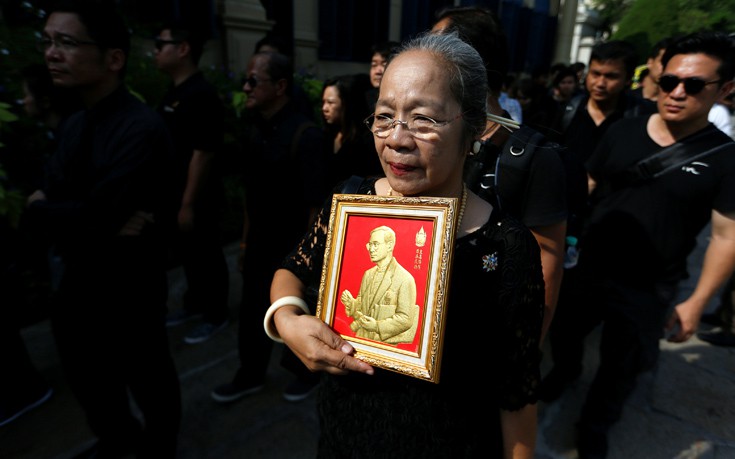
283, 149
194, 114
643, 224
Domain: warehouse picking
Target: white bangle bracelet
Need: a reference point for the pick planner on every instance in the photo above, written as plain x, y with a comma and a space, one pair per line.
270, 325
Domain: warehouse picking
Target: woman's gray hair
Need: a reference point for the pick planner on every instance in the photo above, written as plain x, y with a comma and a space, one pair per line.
467, 75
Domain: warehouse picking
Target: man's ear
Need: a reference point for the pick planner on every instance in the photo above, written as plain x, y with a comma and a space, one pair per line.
281, 86
726, 89
184, 49
116, 59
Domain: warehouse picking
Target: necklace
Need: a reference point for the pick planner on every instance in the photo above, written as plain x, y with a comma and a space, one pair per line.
462, 205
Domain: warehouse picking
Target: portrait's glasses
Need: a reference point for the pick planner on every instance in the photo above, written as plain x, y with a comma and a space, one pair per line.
63, 43
421, 127
692, 85
253, 82
373, 245
159, 43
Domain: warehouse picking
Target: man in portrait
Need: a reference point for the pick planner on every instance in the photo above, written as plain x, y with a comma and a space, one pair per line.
385, 308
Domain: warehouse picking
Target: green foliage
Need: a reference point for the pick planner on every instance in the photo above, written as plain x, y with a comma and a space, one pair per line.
6, 116
12, 202
313, 89
610, 11
648, 21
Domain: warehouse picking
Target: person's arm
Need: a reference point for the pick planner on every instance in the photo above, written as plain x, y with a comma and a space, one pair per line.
551, 241
718, 265
200, 168
311, 340
591, 184
519, 432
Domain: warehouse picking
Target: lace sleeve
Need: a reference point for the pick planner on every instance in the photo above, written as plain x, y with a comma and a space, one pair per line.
522, 305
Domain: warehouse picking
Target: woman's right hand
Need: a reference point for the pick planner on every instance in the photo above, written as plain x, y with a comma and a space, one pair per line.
315, 344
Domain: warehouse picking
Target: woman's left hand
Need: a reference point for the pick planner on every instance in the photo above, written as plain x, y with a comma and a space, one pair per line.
317, 345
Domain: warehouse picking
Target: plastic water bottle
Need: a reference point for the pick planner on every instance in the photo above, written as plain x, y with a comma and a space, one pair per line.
572, 254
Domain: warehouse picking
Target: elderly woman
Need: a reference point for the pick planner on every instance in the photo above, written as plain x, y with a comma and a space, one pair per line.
430, 114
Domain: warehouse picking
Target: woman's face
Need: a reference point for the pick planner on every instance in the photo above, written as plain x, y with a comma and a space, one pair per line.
331, 105
566, 86
416, 85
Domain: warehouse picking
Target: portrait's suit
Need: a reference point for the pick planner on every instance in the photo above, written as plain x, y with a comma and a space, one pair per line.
390, 298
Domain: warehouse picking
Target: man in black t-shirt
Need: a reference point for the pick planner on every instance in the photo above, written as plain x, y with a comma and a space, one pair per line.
284, 150
580, 124
641, 230
194, 115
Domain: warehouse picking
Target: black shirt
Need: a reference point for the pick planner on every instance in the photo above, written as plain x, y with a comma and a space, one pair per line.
194, 115
646, 230
112, 161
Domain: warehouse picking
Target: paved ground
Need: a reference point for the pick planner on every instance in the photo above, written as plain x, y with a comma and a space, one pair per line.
685, 410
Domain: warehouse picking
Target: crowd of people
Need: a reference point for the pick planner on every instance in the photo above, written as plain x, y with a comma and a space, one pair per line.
118, 188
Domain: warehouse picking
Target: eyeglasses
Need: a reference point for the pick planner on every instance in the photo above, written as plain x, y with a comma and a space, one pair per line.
253, 82
692, 85
63, 43
373, 244
421, 127
159, 43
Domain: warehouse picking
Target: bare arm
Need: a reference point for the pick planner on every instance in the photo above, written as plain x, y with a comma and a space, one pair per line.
519, 432
551, 241
591, 184
718, 265
313, 342
200, 168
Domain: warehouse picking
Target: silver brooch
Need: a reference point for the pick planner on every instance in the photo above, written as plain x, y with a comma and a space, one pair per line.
490, 262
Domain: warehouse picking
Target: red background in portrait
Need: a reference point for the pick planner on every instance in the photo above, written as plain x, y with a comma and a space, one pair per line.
356, 260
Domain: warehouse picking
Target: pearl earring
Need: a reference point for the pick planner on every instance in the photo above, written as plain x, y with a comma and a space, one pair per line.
476, 147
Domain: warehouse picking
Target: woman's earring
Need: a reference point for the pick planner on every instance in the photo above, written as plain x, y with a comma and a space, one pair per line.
476, 147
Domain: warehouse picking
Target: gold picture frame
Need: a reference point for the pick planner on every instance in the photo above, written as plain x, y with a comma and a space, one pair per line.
394, 314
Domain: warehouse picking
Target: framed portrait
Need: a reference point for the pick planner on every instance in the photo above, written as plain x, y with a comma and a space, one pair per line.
386, 276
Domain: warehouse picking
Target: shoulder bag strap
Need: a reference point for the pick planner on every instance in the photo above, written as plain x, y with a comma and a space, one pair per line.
570, 110
673, 157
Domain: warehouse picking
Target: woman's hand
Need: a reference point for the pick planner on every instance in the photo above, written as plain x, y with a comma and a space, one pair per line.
318, 347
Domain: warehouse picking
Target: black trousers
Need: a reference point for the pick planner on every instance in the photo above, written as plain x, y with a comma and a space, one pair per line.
255, 347
109, 326
632, 317
205, 267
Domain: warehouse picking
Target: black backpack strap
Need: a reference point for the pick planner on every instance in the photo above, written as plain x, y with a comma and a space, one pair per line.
513, 165
570, 110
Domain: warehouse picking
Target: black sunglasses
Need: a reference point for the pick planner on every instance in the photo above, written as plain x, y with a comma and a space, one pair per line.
252, 81
159, 43
692, 85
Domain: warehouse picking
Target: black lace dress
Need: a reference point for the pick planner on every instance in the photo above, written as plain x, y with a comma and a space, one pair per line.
490, 359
